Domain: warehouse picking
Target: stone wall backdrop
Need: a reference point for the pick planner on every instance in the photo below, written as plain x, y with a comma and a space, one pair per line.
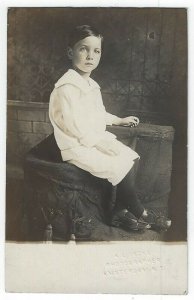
143, 72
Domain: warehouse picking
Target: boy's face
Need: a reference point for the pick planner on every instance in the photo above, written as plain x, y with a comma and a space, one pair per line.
86, 54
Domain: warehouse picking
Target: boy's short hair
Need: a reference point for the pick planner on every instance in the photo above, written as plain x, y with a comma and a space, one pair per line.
80, 33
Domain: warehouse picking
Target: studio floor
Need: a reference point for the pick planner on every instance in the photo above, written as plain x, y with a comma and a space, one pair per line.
14, 225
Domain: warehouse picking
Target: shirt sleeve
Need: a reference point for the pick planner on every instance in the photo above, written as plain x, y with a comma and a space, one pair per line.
111, 119
75, 120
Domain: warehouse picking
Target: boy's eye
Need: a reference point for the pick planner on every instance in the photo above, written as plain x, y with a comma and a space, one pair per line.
82, 48
97, 51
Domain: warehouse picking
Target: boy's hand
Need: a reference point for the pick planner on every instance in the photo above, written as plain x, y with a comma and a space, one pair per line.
108, 147
130, 121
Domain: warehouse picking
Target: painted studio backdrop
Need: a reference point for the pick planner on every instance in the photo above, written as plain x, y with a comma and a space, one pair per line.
143, 72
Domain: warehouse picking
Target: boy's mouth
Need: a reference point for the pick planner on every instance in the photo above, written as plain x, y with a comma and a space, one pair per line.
89, 64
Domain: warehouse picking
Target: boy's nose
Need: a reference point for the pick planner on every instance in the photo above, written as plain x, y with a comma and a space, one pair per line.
89, 56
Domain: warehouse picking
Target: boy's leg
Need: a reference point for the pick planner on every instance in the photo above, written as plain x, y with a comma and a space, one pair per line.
127, 200
126, 194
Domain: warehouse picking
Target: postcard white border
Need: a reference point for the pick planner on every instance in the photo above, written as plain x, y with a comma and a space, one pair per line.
42, 3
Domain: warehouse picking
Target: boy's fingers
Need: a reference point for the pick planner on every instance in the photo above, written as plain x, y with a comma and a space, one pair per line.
136, 119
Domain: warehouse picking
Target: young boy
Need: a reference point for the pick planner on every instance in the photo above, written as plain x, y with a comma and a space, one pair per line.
79, 119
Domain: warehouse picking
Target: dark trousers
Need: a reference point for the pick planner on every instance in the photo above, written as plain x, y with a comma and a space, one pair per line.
126, 196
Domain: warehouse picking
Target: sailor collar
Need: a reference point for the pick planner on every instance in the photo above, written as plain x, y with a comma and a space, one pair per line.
74, 78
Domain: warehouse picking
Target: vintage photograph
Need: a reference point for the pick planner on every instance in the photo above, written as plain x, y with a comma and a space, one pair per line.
96, 125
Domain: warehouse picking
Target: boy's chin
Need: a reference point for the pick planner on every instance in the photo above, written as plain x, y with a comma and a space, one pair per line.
85, 70
88, 69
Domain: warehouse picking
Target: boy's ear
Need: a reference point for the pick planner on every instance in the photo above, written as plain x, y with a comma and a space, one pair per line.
69, 52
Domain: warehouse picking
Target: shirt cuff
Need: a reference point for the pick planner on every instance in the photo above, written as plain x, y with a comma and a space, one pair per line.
110, 119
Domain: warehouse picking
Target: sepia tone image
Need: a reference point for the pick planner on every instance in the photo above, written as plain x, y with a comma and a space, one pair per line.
96, 124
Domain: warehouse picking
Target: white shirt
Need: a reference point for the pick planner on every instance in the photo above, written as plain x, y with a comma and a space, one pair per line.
79, 120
